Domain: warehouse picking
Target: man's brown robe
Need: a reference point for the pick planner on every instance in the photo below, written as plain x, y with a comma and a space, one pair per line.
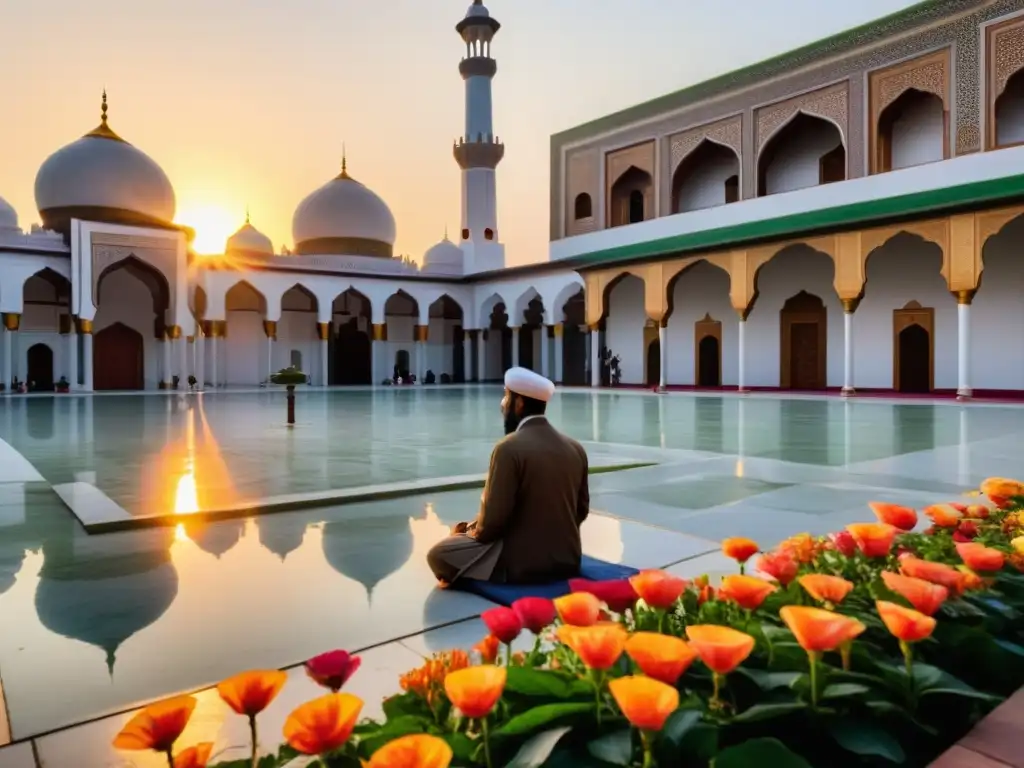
528, 528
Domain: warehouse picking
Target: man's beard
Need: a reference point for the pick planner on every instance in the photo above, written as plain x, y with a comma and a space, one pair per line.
511, 421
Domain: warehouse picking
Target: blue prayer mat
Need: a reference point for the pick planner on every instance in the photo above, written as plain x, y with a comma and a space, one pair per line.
505, 594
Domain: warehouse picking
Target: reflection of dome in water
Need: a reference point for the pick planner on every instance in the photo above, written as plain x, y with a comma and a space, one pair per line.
215, 538
10, 565
282, 535
370, 550
103, 601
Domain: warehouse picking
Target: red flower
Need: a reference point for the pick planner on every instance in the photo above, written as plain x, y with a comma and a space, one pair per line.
617, 594
535, 613
503, 623
978, 557
844, 543
781, 566
332, 669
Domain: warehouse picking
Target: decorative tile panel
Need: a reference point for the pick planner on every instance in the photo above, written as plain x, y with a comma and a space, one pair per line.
830, 103
727, 132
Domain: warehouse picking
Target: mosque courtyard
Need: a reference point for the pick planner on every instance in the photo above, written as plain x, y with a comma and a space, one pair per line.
94, 624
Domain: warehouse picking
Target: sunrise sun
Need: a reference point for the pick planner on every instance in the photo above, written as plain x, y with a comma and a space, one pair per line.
213, 226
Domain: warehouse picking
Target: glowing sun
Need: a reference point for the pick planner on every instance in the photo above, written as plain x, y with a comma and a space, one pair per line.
213, 227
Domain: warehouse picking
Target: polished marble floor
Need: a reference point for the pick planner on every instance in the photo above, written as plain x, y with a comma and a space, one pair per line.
92, 626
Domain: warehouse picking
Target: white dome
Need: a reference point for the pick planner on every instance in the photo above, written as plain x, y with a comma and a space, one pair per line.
8, 216
103, 171
249, 241
346, 218
444, 256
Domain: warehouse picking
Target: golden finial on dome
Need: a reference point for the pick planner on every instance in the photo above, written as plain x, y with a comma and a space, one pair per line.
445, 231
344, 163
246, 214
104, 131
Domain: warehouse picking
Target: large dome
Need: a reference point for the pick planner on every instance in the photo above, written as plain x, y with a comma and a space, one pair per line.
101, 177
346, 218
8, 216
249, 241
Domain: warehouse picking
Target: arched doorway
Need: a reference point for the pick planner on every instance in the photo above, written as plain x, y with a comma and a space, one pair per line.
402, 364
40, 368
706, 177
708, 345
654, 363
117, 353
912, 130
632, 196
913, 330
352, 350
804, 323
574, 341
805, 152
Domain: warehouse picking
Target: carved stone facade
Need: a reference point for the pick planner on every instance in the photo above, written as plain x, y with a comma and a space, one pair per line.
1005, 58
582, 178
954, 25
832, 104
159, 253
643, 157
728, 133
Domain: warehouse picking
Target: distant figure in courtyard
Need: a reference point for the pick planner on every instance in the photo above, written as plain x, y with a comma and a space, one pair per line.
536, 497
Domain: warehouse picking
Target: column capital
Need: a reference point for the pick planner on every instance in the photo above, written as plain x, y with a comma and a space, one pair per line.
12, 320
323, 331
190, 339
594, 327
174, 332
85, 326
965, 297
380, 331
850, 305
422, 333
557, 330
270, 329
743, 313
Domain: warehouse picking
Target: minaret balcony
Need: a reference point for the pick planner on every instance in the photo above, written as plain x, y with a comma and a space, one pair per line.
478, 66
484, 152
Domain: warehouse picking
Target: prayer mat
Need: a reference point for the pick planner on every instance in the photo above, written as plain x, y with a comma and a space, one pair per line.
505, 594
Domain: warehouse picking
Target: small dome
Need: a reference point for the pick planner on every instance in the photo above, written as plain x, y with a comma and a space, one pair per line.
445, 256
103, 177
477, 10
249, 241
8, 216
346, 218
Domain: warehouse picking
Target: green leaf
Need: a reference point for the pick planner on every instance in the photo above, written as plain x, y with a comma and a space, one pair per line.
462, 746
768, 681
404, 725
843, 690
766, 752
932, 681
685, 740
537, 750
613, 748
405, 704
865, 738
760, 712
886, 709
545, 683
533, 719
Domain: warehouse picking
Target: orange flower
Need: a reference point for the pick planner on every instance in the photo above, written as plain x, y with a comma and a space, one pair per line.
323, 724
936, 573
157, 726
803, 547
904, 518
249, 693
978, 557
428, 679
580, 609
706, 592
194, 757
971, 580
658, 588
740, 549
944, 515
419, 750
826, 589
722, 649
923, 595
644, 701
818, 630
488, 649
873, 539
475, 690
662, 657
906, 624
977, 511
599, 646
1001, 490
747, 592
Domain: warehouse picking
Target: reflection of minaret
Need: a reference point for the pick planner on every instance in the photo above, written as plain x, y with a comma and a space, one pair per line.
478, 152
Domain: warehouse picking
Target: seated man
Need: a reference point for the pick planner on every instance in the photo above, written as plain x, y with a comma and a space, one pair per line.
535, 499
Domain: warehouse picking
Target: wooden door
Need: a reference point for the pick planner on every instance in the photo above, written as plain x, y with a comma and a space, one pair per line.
117, 358
803, 326
913, 348
803, 356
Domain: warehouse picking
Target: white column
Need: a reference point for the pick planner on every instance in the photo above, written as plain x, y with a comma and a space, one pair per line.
741, 378
16, 356
270, 357
595, 357
662, 355
200, 358
214, 351
467, 356
545, 352
165, 373
7, 371
963, 344
181, 360
324, 334
86, 328
72, 356
379, 337
559, 352
481, 353
849, 307
515, 346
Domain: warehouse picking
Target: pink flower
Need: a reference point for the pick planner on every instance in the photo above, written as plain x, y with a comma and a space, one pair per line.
781, 566
332, 669
617, 594
844, 543
503, 623
535, 613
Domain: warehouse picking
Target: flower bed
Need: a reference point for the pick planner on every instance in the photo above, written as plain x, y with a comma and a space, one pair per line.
874, 645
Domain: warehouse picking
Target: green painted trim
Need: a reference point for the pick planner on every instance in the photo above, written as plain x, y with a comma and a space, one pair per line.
901, 206
833, 45
343, 497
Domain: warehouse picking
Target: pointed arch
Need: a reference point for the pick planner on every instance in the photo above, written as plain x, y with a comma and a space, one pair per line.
145, 273
522, 304
393, 305
706, 176
303, 299
631, 197
352, 301
446, 307
246, 297
806, 150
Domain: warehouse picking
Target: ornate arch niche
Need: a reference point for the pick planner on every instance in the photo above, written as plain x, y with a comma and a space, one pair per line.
1004, 79
716, 142
630, 179
913, 348
158, 254
926, 75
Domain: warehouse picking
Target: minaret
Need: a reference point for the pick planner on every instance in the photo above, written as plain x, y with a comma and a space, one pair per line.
478, 152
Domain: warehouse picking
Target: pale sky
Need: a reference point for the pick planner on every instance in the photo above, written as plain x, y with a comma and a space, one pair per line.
248, 102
